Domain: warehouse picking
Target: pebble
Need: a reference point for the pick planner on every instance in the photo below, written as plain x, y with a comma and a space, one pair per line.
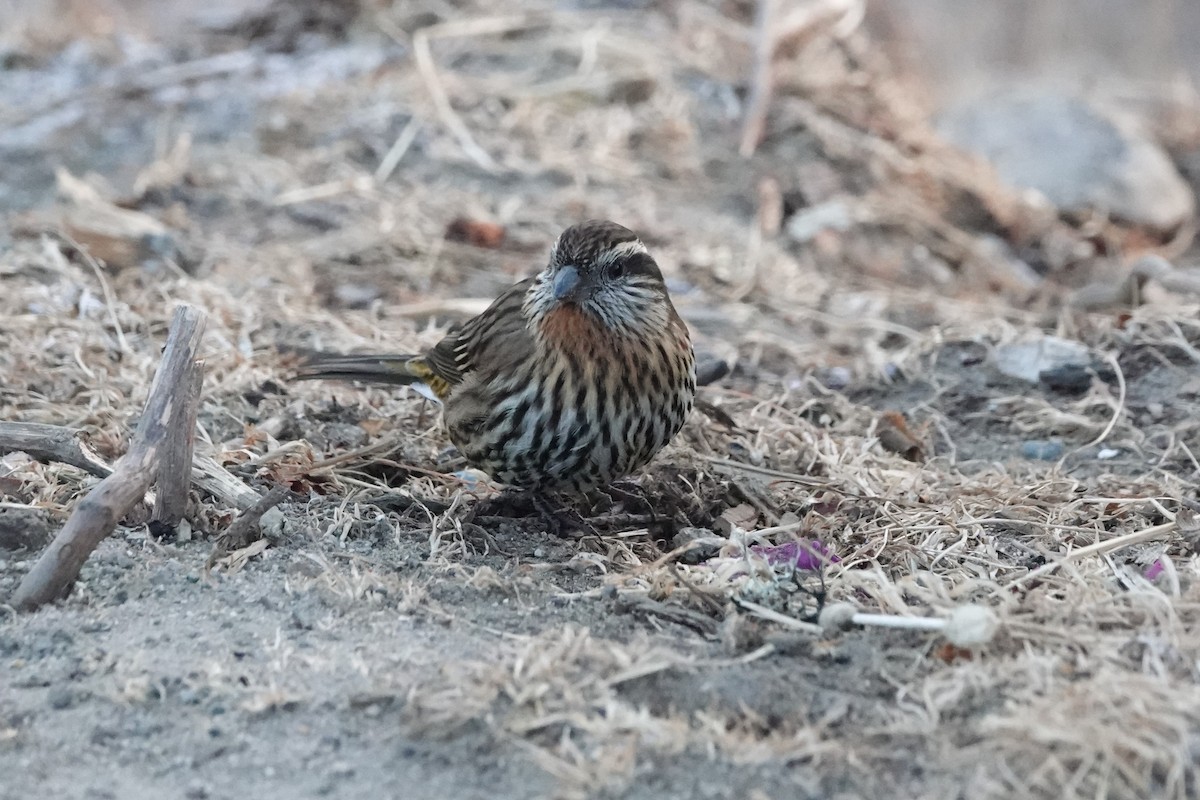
60, 697
704, 544
1040, 450
1069, 378
1029, 360
806, 225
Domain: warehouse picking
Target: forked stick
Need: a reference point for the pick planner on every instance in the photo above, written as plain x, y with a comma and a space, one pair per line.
171, 403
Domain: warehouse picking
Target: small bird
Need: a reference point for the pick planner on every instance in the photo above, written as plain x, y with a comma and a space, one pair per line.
570, 380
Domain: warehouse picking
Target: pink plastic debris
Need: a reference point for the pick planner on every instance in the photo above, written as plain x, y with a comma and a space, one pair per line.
806, 554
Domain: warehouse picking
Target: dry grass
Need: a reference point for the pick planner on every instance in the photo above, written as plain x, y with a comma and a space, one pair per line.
1089, 687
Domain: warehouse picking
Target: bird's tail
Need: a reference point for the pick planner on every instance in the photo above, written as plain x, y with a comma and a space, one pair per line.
399, 370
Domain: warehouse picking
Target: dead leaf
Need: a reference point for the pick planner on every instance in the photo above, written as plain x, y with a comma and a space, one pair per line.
895, 436
475, 232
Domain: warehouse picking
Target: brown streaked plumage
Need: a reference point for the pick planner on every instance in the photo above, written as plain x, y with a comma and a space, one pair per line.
569, 380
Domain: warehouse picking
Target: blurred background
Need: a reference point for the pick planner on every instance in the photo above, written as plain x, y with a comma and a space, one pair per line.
962, 48
959, 46
1027, 149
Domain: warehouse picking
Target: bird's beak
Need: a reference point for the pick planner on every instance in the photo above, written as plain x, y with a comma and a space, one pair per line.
566, 283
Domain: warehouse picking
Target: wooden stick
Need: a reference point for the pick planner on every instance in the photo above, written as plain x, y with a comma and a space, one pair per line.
65, 445
762, 83
174, 476
246, 528
228, 488
98, 513
51, 443
771, 29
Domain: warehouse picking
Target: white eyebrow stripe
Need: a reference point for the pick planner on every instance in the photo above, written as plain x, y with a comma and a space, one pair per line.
625, 249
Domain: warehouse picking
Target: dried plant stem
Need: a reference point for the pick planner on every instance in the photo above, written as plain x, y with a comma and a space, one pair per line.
391, 159
110, 301
247, 528
1108, 545
762, 84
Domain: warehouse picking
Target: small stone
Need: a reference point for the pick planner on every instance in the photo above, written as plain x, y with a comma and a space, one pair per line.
1068, 379
1027, 361
61, 697
835, 378
1079, 157
711, 370
702, 544
1038, 450
806, 225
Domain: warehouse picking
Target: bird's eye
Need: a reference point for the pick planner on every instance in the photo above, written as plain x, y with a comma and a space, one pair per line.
616, 269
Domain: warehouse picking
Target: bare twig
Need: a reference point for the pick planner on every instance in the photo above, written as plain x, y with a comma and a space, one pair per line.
762, 84
391, 159
1106, 546
441, 102
221, 483
138, 80
247, 527
637, 604
51, 443
174, 476
762, 612
97, 514
433, 83
770, 31
110, 301
228, 488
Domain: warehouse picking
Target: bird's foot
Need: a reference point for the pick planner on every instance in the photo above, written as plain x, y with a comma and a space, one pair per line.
562, 521
515, 503
508, 503
632, 495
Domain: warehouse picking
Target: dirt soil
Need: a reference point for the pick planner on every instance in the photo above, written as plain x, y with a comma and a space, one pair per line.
297, 170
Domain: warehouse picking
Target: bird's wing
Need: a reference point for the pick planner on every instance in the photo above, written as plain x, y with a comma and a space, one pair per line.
492, 340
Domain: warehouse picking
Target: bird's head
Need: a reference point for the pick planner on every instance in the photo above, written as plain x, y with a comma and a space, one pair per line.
603, 270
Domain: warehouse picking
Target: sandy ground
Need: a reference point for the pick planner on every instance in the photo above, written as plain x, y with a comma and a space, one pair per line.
378, 646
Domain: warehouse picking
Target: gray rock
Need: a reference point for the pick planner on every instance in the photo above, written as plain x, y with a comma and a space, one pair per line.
1027, 360
60, 697
1076, 155
1042, 450
704, 544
